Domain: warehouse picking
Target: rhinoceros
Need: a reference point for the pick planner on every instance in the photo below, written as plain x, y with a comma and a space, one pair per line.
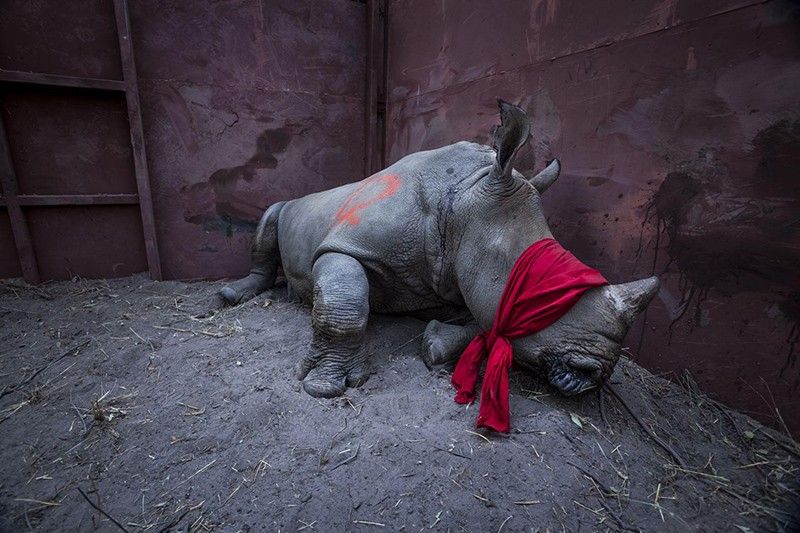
435, 236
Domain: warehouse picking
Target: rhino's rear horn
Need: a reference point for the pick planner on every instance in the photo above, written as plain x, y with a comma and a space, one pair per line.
544, 179
509, 137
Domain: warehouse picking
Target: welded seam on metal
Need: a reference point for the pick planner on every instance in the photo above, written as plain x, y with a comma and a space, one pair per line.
19, 225
376, 87
77, 199
370, 106
56, 80
137, 137
386, 99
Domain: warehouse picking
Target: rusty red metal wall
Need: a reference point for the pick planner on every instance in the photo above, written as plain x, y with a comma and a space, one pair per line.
678, 126
244, 103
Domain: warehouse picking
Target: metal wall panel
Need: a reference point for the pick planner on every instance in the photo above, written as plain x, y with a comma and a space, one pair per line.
74, 38
68, 141
244, 104
90, 242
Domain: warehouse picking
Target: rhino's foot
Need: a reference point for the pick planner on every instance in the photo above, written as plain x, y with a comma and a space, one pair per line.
434, 348
339, 317
244, 289
443, 343
328, 377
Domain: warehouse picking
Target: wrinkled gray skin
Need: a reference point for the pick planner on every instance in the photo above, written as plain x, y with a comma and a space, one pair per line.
439, 238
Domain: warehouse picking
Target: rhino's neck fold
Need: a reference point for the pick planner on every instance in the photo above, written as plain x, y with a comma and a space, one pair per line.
486, 233
482, 273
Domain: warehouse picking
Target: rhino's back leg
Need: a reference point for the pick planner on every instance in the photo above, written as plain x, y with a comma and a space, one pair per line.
443, 343
265, 258
339, 318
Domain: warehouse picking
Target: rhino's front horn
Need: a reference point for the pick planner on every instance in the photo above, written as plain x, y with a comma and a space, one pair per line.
630, 299
544, 179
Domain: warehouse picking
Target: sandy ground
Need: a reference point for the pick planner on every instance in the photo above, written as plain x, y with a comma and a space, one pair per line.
126, 405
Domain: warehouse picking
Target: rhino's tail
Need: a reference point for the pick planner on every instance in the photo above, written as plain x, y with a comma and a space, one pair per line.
265, 258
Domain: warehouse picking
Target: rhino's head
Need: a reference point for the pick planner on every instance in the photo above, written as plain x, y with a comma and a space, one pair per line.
500, 214
580, 350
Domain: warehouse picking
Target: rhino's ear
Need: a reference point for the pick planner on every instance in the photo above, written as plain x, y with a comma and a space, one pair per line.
544, 179
630, 299
508, 138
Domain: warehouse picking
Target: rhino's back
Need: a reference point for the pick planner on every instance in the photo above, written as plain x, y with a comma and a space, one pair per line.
385, 221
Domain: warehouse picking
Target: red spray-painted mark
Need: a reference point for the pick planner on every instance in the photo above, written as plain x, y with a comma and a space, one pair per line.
350, 212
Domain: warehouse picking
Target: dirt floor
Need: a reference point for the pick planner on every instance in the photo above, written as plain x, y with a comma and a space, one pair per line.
127, 405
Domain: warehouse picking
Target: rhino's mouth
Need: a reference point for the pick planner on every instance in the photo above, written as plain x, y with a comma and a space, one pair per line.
576, 374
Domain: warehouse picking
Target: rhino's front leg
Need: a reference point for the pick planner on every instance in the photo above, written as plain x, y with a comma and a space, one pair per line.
442, 343
339, 319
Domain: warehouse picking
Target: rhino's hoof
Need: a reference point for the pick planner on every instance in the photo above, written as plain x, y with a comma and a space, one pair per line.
357, 376
434, 352
324, 388
244, 289
229, 295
